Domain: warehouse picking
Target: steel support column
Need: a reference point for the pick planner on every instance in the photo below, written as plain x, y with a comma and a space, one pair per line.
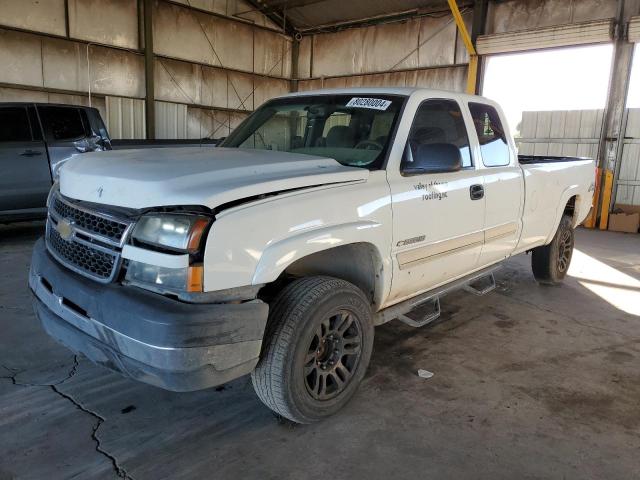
609, 153
150, 104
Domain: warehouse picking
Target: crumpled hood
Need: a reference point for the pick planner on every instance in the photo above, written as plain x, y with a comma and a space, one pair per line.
194, 176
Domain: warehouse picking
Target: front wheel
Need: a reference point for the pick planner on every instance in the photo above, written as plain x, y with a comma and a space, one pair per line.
316, 350
551, 262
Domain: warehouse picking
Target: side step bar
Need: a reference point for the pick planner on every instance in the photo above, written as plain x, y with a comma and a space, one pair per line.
478, 283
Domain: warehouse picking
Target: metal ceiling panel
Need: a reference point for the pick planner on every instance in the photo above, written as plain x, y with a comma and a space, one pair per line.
546, 37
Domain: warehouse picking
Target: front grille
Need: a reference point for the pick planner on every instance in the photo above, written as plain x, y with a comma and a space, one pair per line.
92, 242
93, 223
88, 260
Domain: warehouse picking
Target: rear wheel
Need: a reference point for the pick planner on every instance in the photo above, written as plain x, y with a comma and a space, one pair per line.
316, 349
551, 262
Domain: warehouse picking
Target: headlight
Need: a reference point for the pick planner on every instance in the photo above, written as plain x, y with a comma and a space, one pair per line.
187, 279
174, 231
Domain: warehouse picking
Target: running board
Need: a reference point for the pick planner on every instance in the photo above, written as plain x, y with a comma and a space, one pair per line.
482, 286
479, 283
428, 317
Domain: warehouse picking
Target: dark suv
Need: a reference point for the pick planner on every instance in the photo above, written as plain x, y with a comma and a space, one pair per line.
35, 139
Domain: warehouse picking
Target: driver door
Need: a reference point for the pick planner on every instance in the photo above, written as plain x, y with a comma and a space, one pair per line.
437, 217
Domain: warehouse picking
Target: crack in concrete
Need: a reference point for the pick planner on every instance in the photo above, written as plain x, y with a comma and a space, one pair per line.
119, 470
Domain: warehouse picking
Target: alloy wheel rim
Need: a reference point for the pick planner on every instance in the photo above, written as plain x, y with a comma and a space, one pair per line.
333, 355
564, 251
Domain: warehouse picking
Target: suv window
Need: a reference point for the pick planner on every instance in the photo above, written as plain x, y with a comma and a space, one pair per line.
440, 121
64, 123
14, 125
491, 135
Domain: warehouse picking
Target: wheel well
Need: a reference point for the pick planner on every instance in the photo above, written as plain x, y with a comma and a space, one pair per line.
570, 207
358, 263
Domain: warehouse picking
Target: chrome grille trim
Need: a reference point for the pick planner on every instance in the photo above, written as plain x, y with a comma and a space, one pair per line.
84, 241
119, 241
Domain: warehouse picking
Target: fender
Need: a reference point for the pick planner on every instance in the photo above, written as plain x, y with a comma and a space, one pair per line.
570, 191
278, 256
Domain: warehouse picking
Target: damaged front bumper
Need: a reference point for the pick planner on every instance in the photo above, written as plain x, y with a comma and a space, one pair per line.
154, 339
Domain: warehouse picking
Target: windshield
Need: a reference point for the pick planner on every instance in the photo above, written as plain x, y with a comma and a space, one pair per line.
354, 130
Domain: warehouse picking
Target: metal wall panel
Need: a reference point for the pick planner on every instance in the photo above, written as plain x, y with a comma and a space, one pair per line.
87, 21
171, 120
628, 184
32, 60
21, 58
527, 14
439, 35
112, 72
267, 88
38, 15
232, 8
272, 54
219, 42
125, 117
568, 132
338, 53
304, 57
189, 35
445, 78
387, 47
423, 42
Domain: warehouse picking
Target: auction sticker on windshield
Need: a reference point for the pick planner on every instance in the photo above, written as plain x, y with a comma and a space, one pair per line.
375, 103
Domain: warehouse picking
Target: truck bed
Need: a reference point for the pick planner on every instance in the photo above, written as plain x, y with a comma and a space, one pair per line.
549, 184
532, 159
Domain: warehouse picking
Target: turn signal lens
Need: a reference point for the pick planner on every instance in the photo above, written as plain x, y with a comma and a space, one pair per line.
195, 275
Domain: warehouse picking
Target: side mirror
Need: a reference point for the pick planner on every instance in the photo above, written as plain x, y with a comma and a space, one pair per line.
432, 158
94, 143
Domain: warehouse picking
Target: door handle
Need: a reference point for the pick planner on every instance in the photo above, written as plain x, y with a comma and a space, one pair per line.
476, 192
30, 153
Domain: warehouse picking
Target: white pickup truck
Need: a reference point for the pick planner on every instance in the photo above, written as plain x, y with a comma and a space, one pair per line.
323, 214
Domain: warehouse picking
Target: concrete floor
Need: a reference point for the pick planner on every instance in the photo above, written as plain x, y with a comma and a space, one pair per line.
530, 382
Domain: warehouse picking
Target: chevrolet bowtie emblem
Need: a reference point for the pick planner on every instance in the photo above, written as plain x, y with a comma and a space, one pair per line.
65, 228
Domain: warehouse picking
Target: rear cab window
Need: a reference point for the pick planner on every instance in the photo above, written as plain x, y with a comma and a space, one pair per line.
492, 137
14, 125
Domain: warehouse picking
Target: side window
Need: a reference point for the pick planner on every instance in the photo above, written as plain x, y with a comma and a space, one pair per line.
63, 123
438, 122
491, 135
14, 125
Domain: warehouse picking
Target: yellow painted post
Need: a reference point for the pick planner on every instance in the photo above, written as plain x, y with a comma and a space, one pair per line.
592, 220
472, 74
607, 190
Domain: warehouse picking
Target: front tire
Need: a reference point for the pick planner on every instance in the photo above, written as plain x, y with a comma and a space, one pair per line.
316, 349
551, 262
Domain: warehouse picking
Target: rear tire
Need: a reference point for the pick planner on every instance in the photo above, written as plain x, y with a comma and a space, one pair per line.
316, 348
551, 262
